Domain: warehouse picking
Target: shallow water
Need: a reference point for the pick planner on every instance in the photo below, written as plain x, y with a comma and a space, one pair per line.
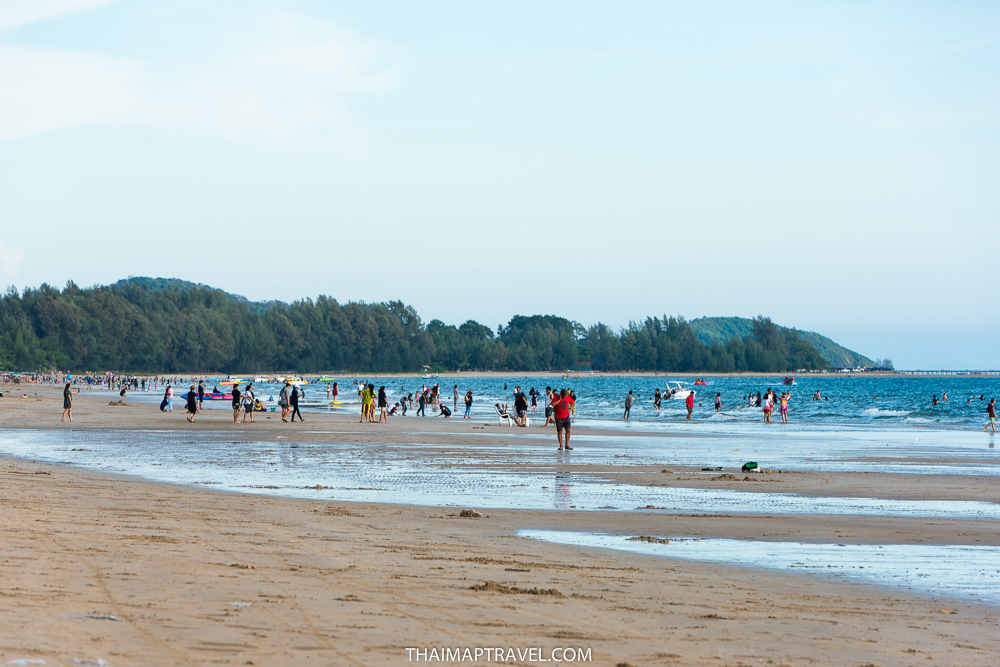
443, 475
969, 572
867, 401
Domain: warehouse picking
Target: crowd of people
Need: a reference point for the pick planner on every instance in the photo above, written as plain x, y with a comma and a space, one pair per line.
376, 407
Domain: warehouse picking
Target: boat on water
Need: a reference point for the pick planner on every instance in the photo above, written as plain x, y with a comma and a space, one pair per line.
329, 378
230, 380
677, 390
788, 380
700, 383
294, 381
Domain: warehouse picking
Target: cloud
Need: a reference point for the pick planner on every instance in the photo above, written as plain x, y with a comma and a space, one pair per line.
280, 82
15, 13
50, 89
10, 259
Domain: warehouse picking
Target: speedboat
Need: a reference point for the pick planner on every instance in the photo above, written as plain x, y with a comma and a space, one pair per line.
294, 381
677, 390
788, 380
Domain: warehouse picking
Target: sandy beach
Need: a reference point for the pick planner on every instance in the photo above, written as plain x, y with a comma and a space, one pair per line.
134, 572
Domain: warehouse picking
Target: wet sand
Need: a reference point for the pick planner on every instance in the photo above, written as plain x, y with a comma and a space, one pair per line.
199, 576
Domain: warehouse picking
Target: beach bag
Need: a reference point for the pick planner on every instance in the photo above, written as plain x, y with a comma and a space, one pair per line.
749, 465
163, 405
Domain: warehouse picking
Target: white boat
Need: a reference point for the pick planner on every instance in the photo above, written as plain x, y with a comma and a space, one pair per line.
677, 390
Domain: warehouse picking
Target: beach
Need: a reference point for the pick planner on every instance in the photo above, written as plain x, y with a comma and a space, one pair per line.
136, 563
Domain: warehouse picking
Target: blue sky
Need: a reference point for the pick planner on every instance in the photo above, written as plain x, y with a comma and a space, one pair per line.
832, 165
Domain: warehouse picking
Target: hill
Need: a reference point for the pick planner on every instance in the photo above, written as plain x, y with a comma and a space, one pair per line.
168, 325
721, 329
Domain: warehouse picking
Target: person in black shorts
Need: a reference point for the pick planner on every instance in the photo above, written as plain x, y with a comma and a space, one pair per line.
561, 406
237, 403
520, 407
192, 404
201, 394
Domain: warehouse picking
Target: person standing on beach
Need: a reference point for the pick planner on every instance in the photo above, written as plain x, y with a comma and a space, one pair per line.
294, 402
248, 403
383, 405
468, 405
192, 402
335, 392
237, 403
718, 402
628, 405
561, 405
520, 407
689, 402
783, 406
68, 403
767, 407
549, 397
455, 390
421, 402
201, 394
283, 401
991, 412
366, 402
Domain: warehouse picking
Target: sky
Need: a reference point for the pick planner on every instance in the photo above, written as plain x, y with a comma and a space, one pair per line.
831, 165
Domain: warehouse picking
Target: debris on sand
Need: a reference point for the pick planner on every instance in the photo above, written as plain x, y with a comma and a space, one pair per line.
647, 538
494, 587
728, 477
470, 514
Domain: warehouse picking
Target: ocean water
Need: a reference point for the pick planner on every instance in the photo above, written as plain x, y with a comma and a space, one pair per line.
523, 473
854, 400
971, 573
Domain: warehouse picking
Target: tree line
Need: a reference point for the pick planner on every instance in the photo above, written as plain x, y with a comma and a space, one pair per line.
141, 325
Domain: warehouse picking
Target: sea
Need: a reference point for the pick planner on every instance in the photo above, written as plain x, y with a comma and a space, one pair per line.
847, 400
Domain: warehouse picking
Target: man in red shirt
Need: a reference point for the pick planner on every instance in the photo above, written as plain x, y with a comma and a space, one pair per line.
561, 406
690, 404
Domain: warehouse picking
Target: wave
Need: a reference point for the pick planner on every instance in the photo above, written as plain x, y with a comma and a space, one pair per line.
876, 412
918, 420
